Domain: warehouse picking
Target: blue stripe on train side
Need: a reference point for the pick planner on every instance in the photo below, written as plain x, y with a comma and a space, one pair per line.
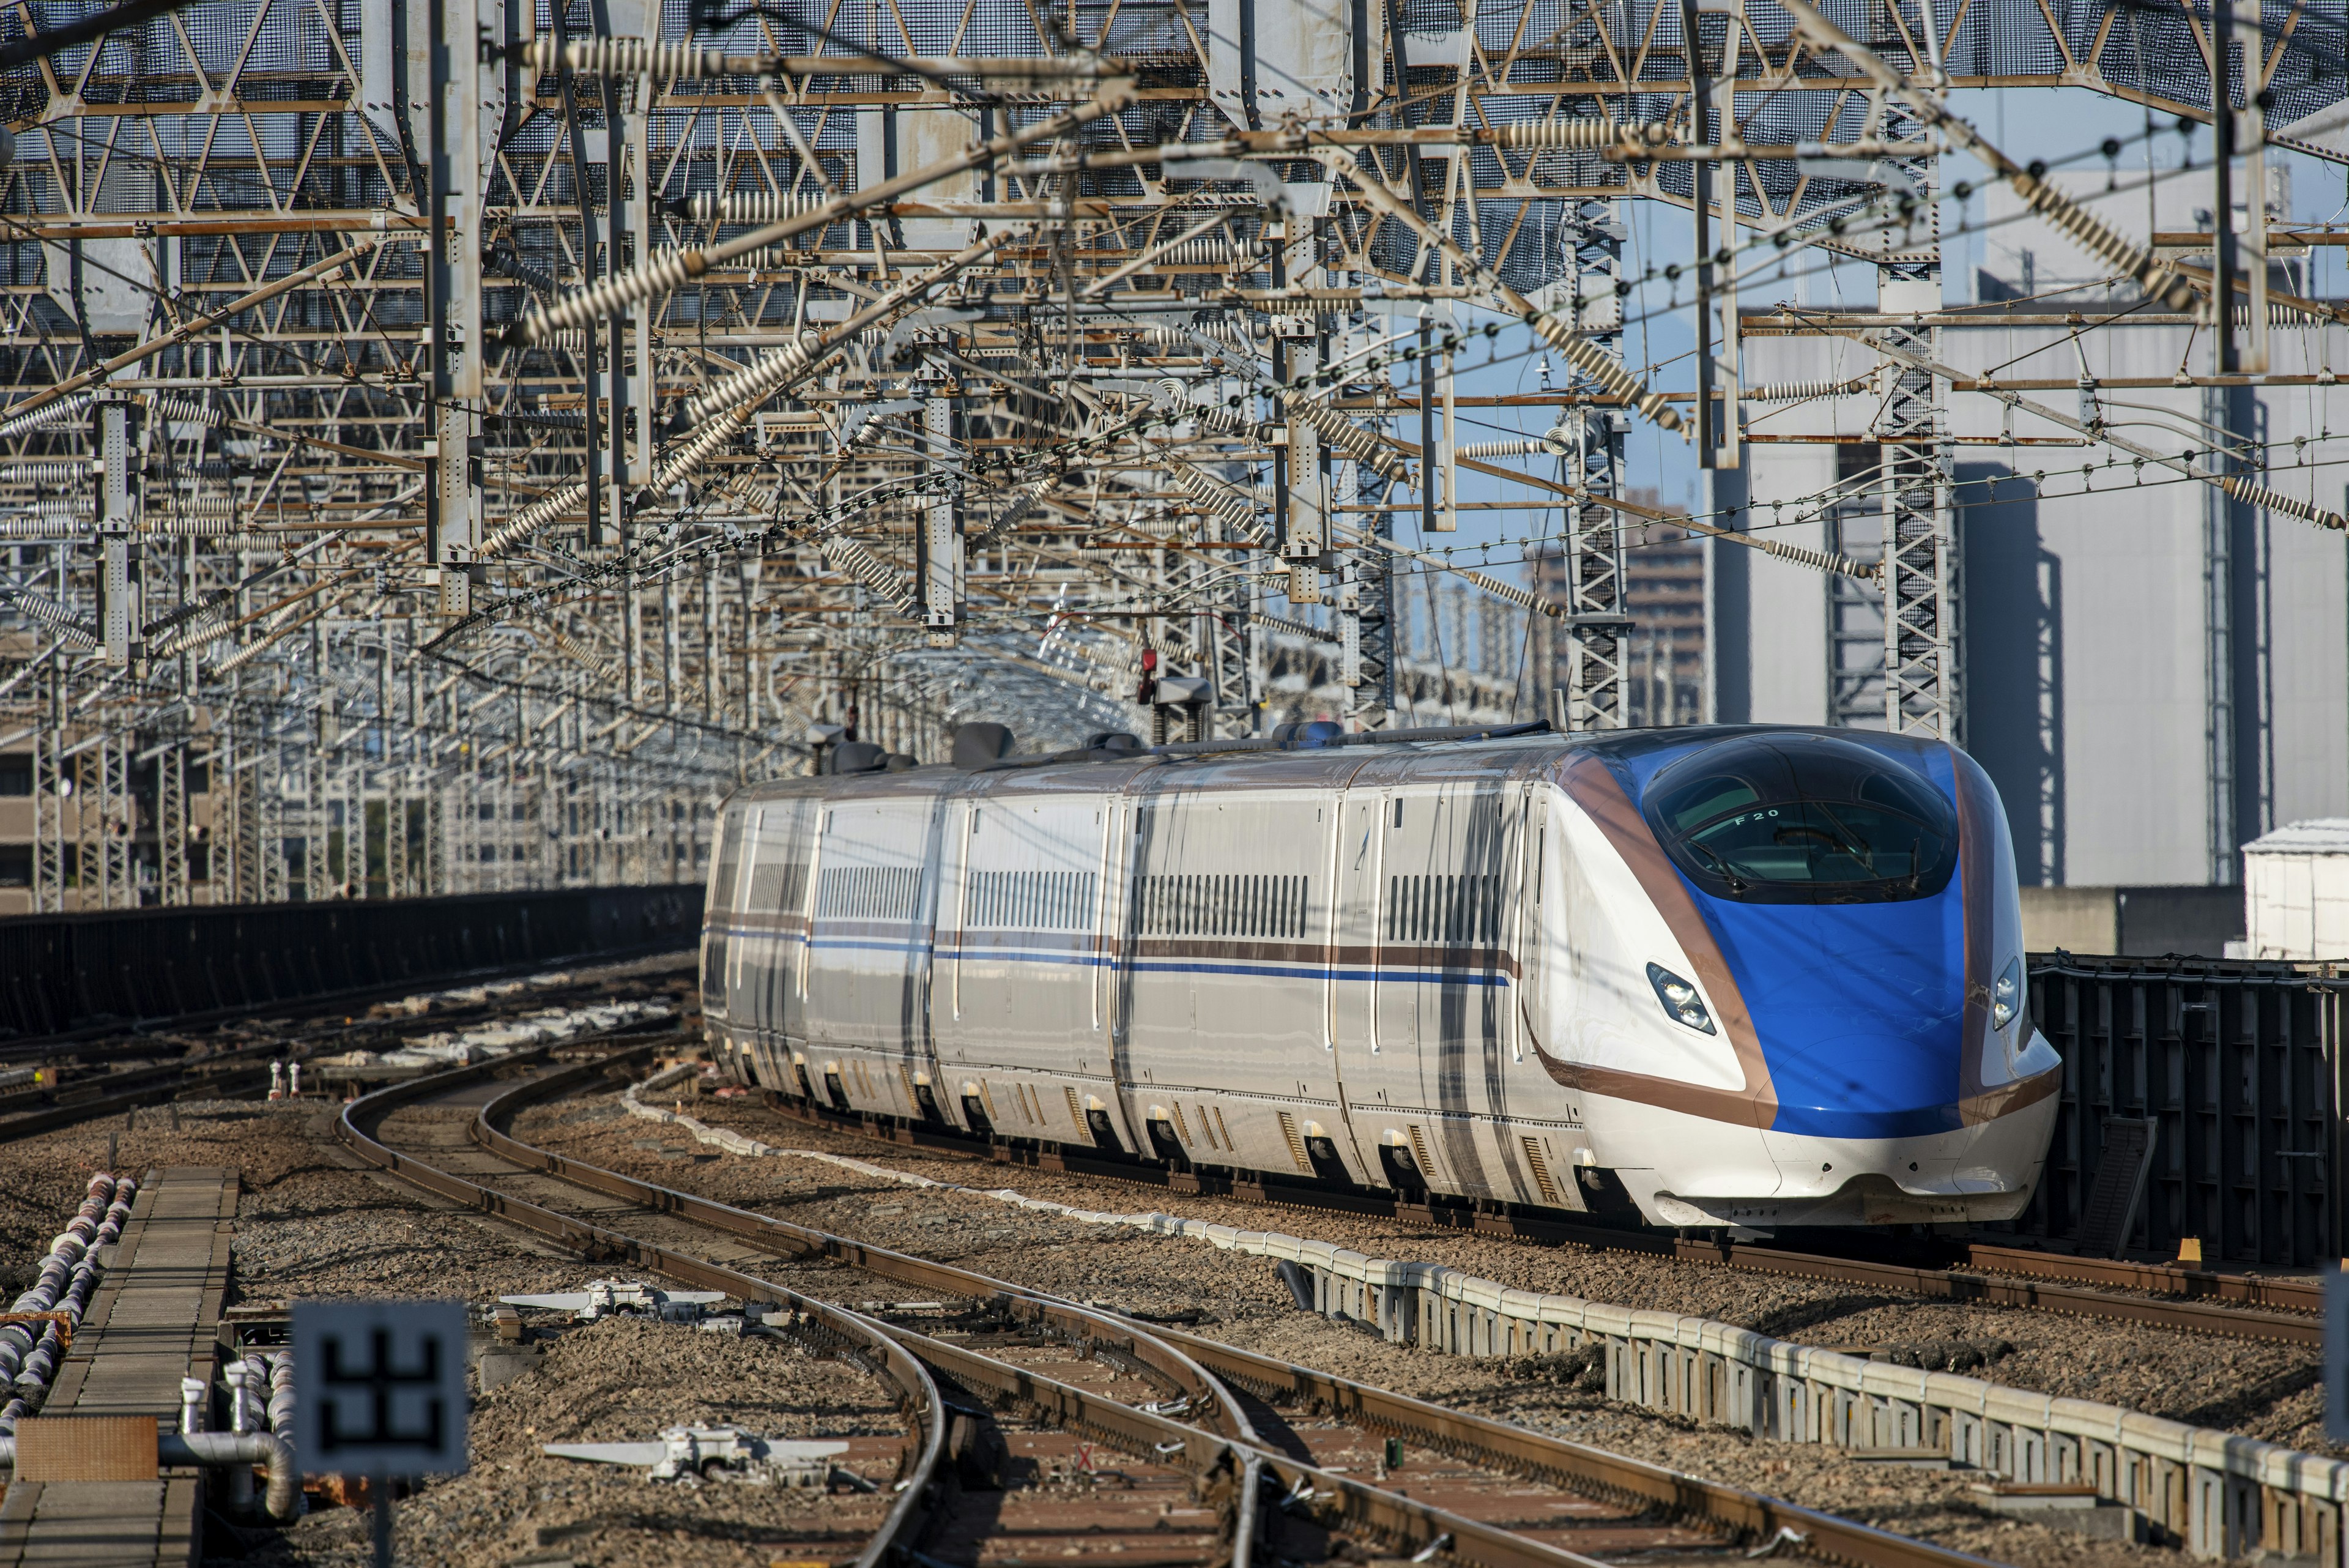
1860, 1008
1260, 967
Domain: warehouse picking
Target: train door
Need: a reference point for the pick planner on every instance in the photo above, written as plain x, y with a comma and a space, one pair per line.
954, 918
1356, 854
1443, 988
869, 970
731, 1042
768, 926
1223, 996
717, 917
1541, 926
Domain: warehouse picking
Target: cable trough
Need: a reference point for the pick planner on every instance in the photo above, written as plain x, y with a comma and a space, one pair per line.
986, 1348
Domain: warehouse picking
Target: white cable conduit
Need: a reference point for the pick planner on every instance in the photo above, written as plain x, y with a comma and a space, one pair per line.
69, 1276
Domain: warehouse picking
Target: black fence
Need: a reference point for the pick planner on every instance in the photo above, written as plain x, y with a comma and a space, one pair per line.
64, 973
2236, 1065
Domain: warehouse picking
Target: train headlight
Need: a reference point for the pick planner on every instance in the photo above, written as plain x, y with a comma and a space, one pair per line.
1679, 998
2006, 996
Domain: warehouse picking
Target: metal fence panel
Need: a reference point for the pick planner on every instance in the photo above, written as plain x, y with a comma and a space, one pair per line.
60, 974
2237, 1065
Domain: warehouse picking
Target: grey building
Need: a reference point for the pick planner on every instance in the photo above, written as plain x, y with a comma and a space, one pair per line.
2153, 672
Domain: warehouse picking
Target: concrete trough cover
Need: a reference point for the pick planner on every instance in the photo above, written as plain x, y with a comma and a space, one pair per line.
2063, 1505
1909, 1459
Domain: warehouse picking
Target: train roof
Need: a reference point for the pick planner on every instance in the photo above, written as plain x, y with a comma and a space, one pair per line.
1321, 762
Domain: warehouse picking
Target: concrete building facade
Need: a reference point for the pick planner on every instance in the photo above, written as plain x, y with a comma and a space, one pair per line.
2153, 672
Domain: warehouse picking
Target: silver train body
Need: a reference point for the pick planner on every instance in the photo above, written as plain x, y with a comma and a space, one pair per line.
1691, 971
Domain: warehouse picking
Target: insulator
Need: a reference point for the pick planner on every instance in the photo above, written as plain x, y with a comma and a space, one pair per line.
1798, 392
1589, 134
185, 409
1347, 436
538, 418
752, 207
59, 471
666, 274
695, 454
1233, 507
1220, 331
185, 516
60, 509
640, 57
533, 517
2252, 494
1510, 449
758, 381
2089, 232
1596, 363
772, 259
218, 539
37, 527
54, 616
845, 555
1208, 252
55, 413
503, 260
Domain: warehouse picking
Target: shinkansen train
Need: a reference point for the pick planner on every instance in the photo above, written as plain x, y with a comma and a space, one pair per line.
1745, 977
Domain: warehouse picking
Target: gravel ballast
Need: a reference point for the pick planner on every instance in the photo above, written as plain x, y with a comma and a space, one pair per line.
310, 1224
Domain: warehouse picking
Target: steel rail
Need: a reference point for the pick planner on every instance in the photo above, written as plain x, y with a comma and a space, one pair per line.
1521, 1450
1200, 1452
1205, 1453
917, 1391
1985, 1284
799, 1241
1527, 1452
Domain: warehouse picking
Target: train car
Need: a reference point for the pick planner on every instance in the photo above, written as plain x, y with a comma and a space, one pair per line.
1747, 977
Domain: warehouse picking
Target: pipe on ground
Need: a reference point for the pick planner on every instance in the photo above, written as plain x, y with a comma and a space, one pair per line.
283, 1496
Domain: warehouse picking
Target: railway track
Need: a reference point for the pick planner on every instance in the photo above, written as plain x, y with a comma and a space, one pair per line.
80, 1090
1269, 1454
2243, 1306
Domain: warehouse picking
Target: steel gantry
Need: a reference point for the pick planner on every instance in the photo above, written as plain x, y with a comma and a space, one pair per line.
447, 444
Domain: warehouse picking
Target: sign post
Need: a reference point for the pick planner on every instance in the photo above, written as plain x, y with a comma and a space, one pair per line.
379, 1392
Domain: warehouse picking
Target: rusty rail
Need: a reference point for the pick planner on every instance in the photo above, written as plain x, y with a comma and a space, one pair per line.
917, 1391
1592, 1471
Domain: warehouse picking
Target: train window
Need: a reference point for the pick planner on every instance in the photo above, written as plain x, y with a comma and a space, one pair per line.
1398, 810
1803, 819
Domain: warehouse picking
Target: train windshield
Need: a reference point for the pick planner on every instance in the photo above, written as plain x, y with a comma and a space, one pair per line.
1803, 819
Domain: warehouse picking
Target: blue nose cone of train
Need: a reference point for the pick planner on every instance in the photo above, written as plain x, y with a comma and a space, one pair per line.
1860, 1011
1860, 1008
